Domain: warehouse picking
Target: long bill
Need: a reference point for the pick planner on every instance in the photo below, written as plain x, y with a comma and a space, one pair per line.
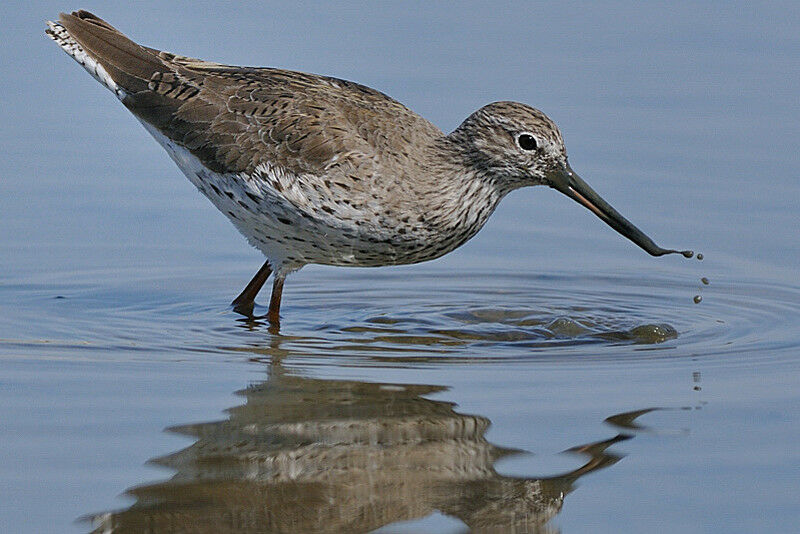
569, 183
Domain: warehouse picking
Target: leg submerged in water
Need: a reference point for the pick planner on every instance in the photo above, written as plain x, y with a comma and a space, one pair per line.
273, 315
245, 302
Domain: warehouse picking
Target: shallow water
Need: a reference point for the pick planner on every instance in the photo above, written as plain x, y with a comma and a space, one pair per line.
548, 376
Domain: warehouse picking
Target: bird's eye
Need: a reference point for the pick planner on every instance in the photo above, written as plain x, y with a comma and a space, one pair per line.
526, 142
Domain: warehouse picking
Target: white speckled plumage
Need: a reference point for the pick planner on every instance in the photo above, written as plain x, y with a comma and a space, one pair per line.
313, 169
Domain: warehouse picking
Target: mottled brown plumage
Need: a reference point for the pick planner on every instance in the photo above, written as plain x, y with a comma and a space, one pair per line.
314, 169
235, 118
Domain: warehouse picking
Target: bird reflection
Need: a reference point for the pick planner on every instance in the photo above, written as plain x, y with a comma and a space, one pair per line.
307, 455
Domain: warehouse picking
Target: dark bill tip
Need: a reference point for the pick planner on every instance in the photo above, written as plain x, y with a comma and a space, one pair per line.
569, 183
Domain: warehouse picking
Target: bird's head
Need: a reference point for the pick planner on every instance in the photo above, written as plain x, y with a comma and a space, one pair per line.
515, 145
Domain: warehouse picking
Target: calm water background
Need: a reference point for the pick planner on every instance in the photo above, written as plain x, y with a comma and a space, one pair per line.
393, 397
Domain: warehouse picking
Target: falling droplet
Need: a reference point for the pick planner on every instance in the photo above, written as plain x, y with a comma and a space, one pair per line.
697, 299
700, 257
704, 280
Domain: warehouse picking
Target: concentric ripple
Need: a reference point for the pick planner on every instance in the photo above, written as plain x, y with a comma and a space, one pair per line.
382, 318
520, 317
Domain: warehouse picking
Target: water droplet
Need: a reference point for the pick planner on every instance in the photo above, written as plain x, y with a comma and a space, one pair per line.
704, 280
687, 253
697, 299
700, 257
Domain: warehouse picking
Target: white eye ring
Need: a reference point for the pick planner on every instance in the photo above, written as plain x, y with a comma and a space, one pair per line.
527, 141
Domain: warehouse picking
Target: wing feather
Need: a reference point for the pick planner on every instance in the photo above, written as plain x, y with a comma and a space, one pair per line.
237, 119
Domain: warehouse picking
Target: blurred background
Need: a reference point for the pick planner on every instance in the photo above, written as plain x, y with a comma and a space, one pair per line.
115, 274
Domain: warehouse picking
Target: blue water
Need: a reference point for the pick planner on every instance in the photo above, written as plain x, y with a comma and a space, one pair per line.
547, 375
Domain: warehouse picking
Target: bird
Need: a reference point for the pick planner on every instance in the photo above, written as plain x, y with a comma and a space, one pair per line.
313, 169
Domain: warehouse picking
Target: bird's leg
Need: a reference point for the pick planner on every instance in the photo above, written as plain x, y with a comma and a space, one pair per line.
246, 300
274, 313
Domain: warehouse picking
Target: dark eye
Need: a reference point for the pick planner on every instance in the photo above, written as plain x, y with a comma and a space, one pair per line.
526, 142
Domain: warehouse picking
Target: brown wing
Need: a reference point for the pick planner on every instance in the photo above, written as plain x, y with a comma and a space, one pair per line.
236, 118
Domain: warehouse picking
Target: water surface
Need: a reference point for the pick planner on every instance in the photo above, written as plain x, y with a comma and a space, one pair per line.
546, 377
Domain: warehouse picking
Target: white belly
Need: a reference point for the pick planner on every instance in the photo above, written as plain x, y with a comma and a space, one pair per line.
288, 235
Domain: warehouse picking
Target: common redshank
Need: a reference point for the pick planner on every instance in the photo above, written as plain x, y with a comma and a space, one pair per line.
314, 169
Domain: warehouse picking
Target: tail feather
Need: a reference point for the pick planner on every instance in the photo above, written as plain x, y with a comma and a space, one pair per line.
61, 36
114, 60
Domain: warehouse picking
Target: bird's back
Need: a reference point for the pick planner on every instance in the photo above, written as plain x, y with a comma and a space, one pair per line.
311, 169
234, 118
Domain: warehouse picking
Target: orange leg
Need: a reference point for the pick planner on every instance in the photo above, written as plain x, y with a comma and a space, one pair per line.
274, 313
246, 300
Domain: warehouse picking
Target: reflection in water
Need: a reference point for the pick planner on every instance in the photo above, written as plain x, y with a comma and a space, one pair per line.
308, 455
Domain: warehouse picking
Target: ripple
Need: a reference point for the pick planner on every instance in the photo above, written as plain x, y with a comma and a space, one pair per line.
545, 317
426, 317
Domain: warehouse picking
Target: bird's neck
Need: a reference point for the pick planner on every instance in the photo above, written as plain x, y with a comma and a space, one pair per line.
463, 195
